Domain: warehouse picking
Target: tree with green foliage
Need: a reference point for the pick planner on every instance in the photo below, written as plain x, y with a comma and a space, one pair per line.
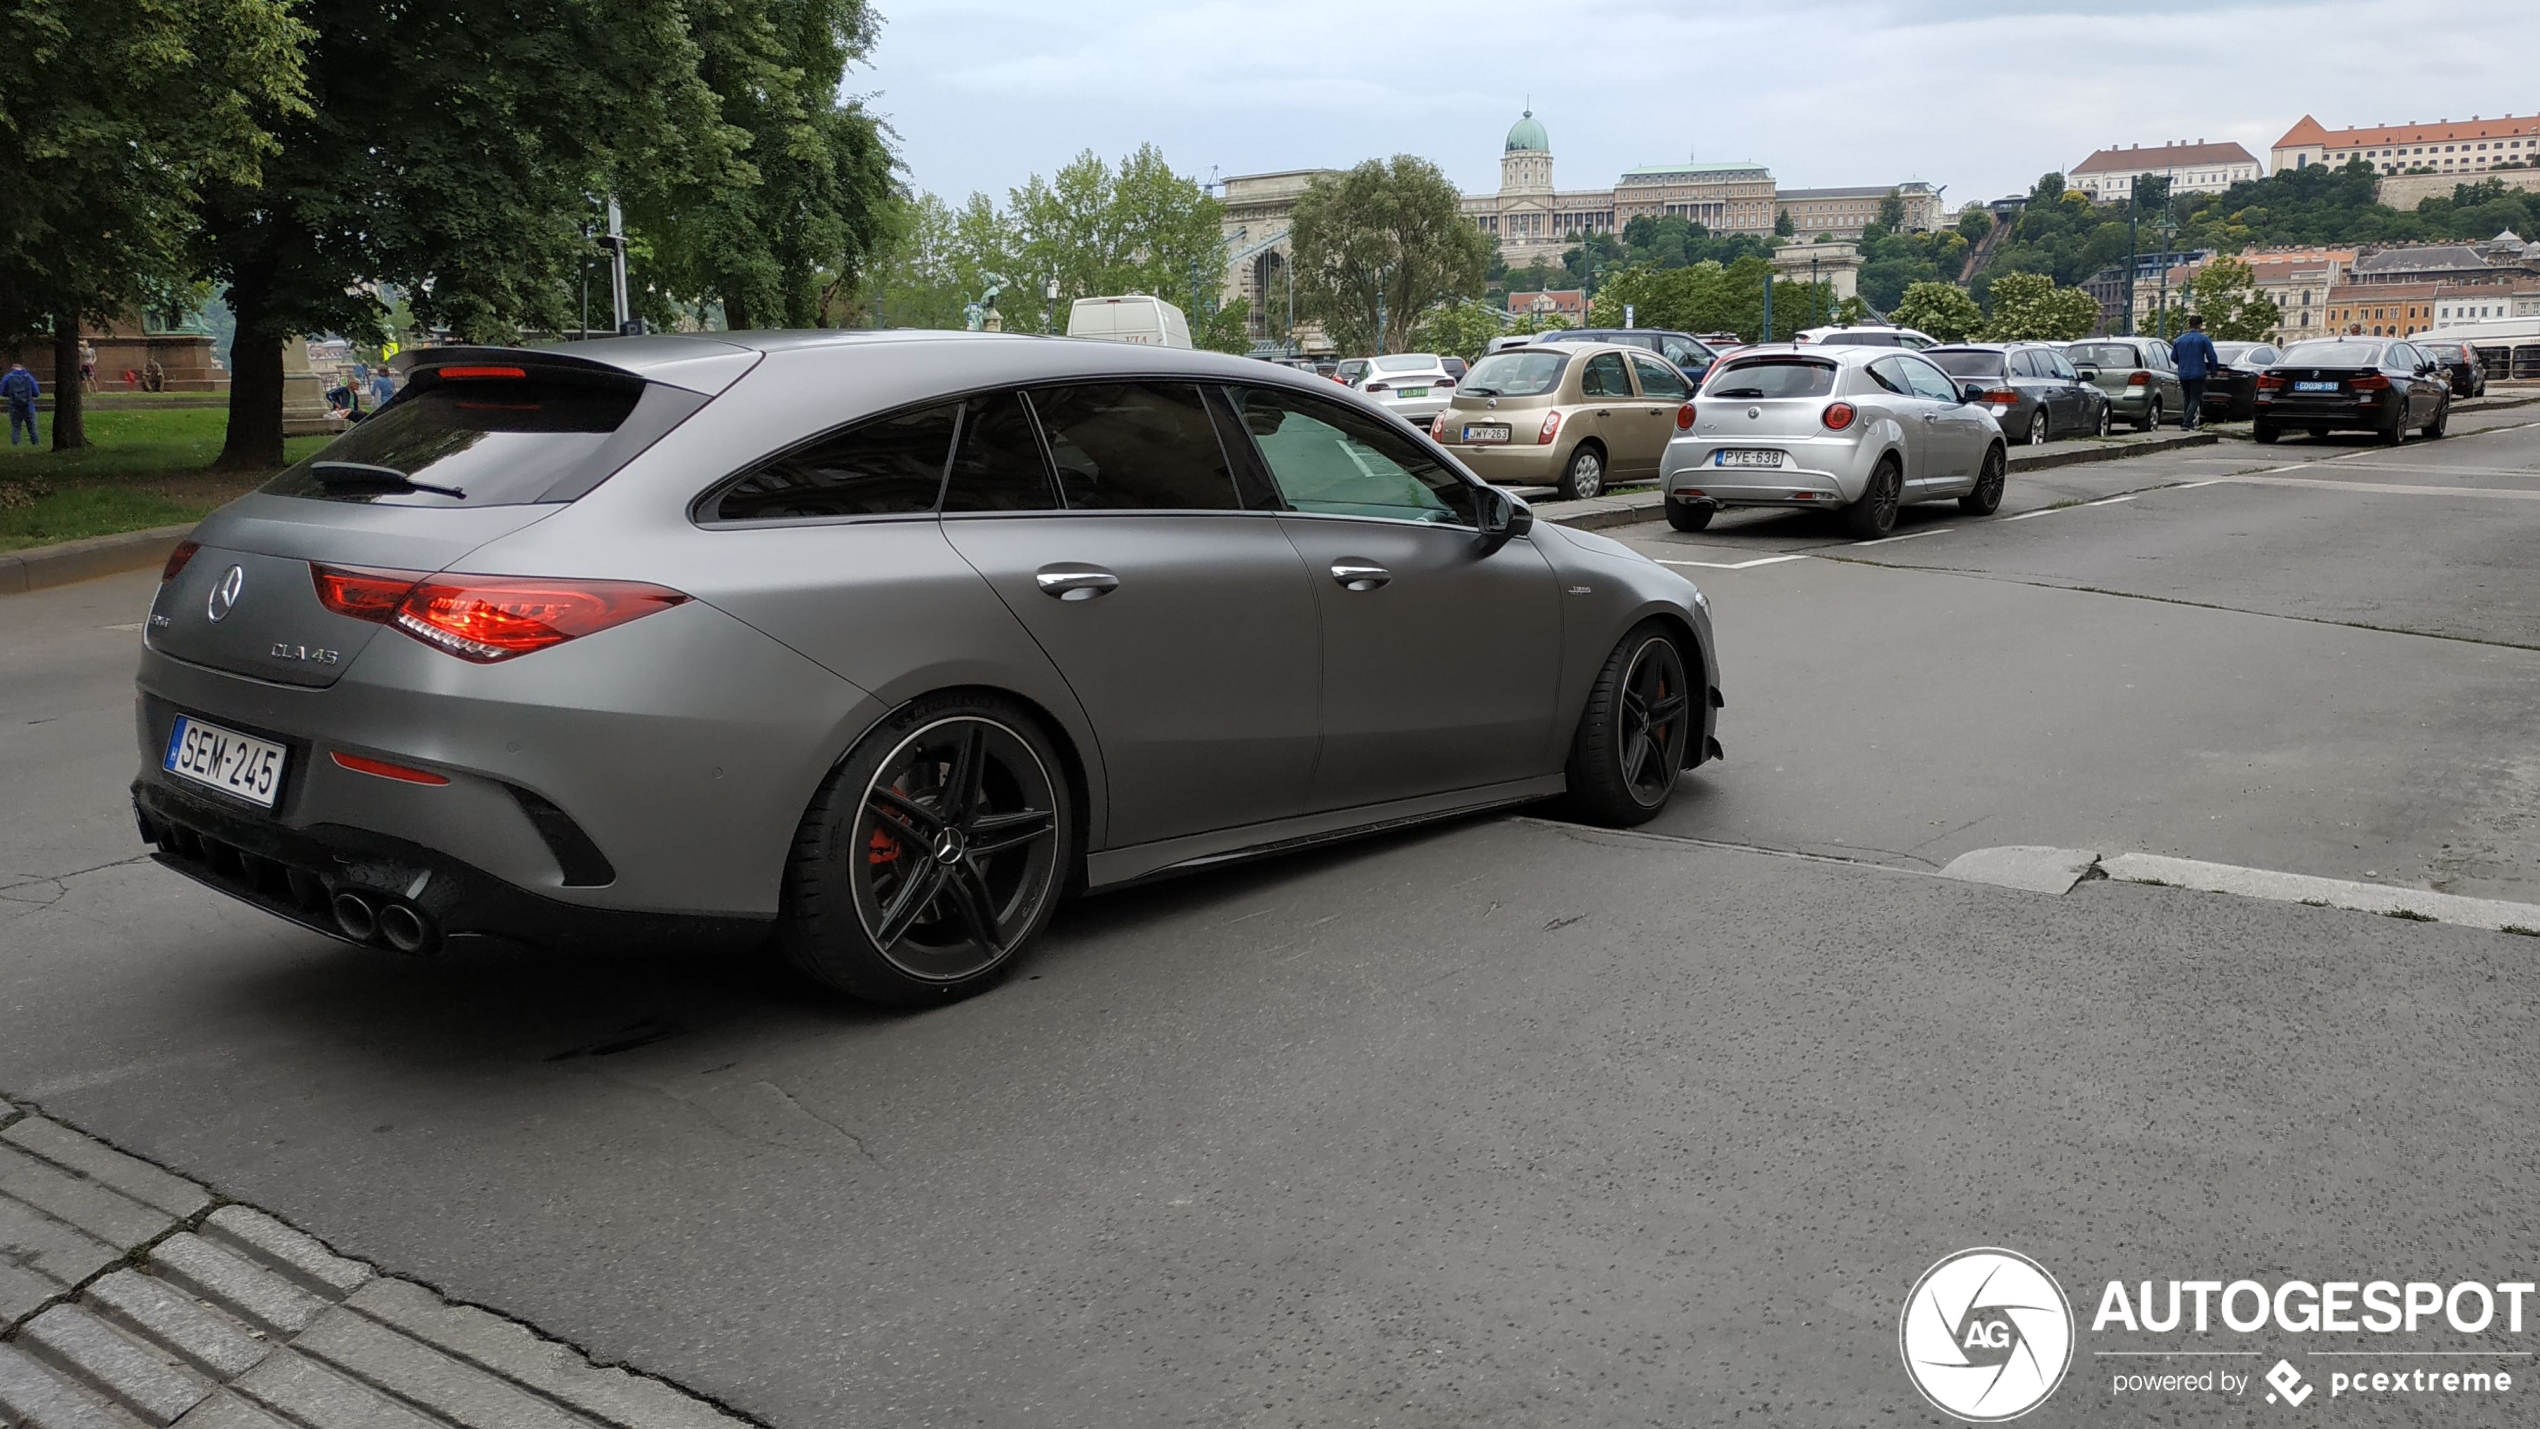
2030, 307
791, 203
449, 150
1891, 214
113, 119
1942, 309
1139, 228
2225, 292
1379, 246
1710, 297
1973, 224
1784, 226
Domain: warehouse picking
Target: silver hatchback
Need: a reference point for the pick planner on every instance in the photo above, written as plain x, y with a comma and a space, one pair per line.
1860, 430
877, 643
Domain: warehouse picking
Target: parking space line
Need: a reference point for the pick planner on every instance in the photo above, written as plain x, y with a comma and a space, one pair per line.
1908, 536
2383, 488
2041, 511
2111, 501
1735, 565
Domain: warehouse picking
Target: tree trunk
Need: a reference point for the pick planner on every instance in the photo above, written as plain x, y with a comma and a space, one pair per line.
70, 426
254, 442
736, 309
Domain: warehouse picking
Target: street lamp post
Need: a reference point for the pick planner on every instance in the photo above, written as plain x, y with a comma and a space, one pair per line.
2133, 260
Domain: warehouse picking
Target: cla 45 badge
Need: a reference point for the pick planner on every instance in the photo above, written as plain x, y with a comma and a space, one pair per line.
309, 653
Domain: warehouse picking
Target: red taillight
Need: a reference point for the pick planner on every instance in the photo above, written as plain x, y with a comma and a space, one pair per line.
361, 764
363, 595
2002, 396
2369, 382
1684, 418
176, 560
2268, 382
487, 618
2140, 379
1377, 387
1437, 427
1551, 428
1839, 415
1443, 382
448, 373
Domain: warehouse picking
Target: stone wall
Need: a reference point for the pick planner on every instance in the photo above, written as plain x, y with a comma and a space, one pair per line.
2405, 191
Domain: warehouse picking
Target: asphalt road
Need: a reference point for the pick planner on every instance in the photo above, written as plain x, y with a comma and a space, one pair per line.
1503, 1123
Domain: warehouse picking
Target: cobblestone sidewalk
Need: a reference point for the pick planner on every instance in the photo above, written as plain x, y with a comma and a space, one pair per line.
131, 1297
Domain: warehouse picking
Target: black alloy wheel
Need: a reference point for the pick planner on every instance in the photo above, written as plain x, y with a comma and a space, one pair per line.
1635, 731
1990, 479
1874, 515
2442, 419
2394, 429
2107, 418
936, 851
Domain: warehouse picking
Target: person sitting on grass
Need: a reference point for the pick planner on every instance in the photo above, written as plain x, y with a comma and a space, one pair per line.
21, 388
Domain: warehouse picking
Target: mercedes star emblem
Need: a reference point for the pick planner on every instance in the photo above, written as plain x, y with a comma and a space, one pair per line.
225, 595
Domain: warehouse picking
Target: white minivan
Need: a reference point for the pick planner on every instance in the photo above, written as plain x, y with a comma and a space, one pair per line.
1133, 318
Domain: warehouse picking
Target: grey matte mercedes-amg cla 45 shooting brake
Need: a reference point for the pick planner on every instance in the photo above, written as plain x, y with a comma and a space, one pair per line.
878, 643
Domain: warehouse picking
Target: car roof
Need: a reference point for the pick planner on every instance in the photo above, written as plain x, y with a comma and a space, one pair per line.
1841, 354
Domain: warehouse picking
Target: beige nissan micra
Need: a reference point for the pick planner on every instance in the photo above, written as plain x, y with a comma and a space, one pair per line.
1581, 416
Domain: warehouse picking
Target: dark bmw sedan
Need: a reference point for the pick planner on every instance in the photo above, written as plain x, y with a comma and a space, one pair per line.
874, 644
2367, 384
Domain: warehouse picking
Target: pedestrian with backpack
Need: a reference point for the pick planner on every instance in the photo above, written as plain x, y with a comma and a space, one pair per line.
21, 388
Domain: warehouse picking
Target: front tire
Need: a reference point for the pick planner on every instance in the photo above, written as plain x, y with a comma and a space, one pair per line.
1689, 515
1874, 515
1584, 476
1632, 737
932, 856
1990, 479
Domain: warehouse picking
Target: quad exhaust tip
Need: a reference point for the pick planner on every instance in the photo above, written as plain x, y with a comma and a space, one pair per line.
356, 917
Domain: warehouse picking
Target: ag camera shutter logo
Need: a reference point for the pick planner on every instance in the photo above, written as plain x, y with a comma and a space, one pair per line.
1986, 1335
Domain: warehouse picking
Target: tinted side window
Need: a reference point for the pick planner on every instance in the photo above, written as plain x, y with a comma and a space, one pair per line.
1657, 379
998, 465
1889, 373
1681, 353
1329, 459
2024, 364
889, 466
2057, 366
1135, 447
1928, 381
1604, 377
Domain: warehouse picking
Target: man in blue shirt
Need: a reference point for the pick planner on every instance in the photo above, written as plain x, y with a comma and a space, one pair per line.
2196, 358
382, 387
21, 388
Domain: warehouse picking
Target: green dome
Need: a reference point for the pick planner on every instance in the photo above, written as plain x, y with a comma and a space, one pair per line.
1527, 134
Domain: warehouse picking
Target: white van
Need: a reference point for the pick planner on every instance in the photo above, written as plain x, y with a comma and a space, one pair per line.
1135, 318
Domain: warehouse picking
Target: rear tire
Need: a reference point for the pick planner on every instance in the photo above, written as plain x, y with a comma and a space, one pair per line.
2265, 433
2394, 431
2107, 419
932, 856
1641, 718
1990, 479
1874, 515
2039, 432
1584, 476
2151, 417
1689, 515
2442, 419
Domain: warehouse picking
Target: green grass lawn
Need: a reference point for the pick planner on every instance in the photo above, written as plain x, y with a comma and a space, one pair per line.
141, 469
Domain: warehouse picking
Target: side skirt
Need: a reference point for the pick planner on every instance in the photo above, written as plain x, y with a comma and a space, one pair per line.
1115, 867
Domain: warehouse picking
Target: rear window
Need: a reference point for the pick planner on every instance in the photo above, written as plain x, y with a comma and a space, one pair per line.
1967, 364
1515, 374
1771, 377
1860, 339
2102, 354
491, 441
1408, 362
2332, 354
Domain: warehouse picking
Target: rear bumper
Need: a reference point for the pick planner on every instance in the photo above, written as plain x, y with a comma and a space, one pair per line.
2338, 413
300, 874
1816, 471
1511, 464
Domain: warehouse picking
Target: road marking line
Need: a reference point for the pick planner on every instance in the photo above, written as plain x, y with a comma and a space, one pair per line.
2383, 488
2192, 485
136, 625
2111, 501
2449, 470
1908, 536
2048, 511
1735, 565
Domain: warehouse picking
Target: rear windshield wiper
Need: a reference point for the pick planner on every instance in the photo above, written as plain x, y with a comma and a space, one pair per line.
1481, 391
361, 476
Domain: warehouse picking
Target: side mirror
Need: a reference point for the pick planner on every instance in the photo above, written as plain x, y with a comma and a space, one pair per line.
1502, 517
1970, 392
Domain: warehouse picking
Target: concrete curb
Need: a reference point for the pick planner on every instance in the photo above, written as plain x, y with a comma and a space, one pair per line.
2059, 870
41, 566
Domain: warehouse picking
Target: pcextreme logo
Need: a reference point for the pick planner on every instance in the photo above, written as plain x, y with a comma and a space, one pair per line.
1986, 1334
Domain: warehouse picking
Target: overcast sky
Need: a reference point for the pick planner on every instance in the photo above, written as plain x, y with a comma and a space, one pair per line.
1980, 95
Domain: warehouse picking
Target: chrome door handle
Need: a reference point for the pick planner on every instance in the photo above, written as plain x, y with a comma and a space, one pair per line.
1359, 573
1072, 580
